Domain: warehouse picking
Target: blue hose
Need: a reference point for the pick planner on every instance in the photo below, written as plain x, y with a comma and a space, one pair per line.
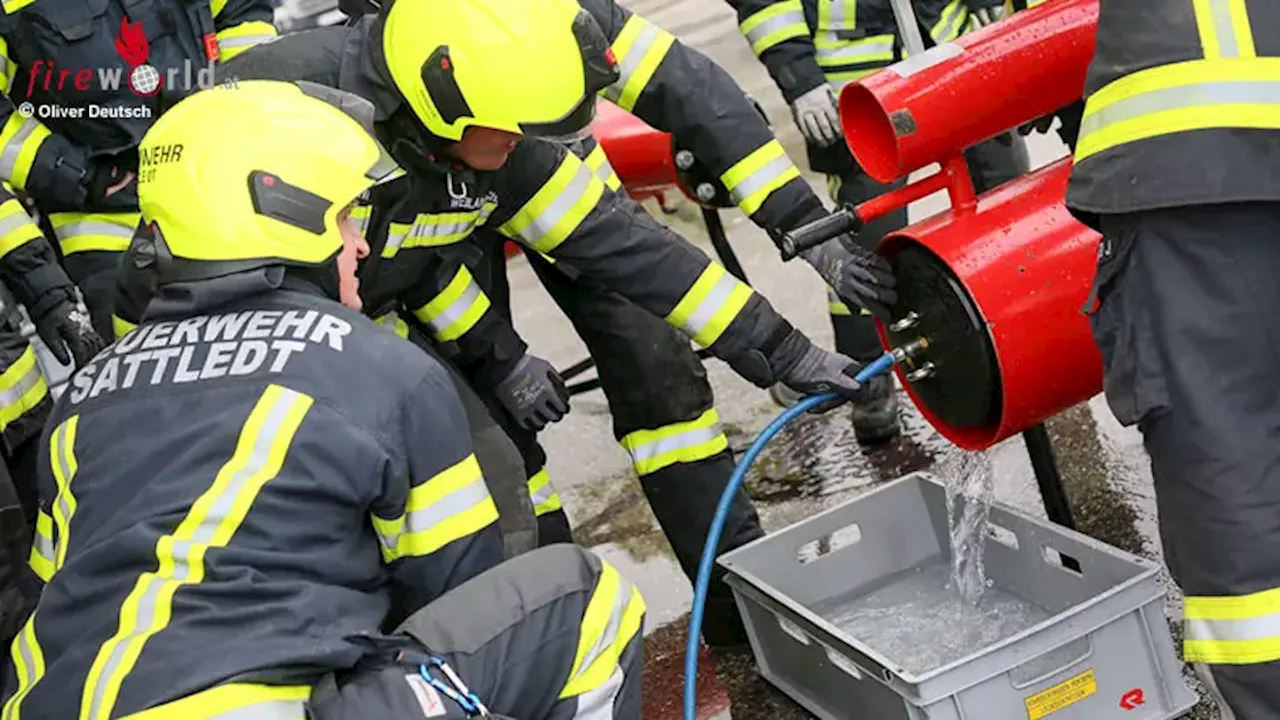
709, 554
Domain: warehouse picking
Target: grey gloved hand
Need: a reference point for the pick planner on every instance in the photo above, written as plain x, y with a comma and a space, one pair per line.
67, 331
817, 115
859, 276
987, 15
796, 362
534, 393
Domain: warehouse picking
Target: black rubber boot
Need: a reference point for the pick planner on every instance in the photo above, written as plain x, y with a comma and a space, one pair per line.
875, 414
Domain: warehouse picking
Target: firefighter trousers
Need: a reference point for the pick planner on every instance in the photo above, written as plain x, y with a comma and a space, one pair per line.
663, 416
1186, 322
553, 634
992, 163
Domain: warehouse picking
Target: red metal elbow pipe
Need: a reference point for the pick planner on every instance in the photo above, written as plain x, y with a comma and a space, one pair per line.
640, 155
958, 94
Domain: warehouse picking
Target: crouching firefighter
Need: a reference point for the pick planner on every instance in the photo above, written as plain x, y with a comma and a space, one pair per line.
307, 479
477, 150
812, 49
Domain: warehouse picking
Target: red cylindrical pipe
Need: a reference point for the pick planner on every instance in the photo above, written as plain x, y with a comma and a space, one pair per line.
1025, 265
955, 95
640, 155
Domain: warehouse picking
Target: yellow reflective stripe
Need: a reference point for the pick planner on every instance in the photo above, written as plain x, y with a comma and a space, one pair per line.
395, 324
43, 552
20, 140
558, 207
238, 701
873, 49
613, 617
360, 217
62, 458
210, 523
1191, 95
837, 15
216, 7
435, 229
28, 662
121, 327
598, 162
754, 177
777, 23
543, 494
1232, 630
706, 311
1224, 29
449, 506
16, 227
952, 22
682, 442
84, 232
640, 48
835, 305
238, 38
22, 388
457, 308
7, 67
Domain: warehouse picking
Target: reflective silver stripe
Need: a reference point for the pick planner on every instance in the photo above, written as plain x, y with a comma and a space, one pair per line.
757, 180
13, 395
542, 494
1258, 628
44, 545
4, 65
952, 16
266, 710
1203, 94
687, 439
710, 305
9, 156
242, 41
603, 170
774, 24
836, 15
61, 499
860, 51
1228, 47
564, 202
616, 612
220, 509
597, 703
93, 227
28, 653
12, 222
457, 308
455, 503
635, 55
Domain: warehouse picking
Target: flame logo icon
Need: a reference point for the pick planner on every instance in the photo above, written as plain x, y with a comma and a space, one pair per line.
144, 80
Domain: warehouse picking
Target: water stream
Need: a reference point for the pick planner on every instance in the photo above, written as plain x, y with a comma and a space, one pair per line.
970, 484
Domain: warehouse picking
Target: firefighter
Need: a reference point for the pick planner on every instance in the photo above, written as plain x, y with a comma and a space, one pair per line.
81, 84
812, 49
307, 478
468, 142
1175, 167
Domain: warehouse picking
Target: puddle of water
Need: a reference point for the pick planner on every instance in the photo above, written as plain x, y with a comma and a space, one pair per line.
918, 623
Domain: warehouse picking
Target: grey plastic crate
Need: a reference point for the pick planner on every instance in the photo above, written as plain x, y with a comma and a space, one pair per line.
1104, 646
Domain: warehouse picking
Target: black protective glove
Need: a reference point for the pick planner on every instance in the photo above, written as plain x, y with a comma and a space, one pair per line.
67, 331
1069, 131
533, 393
859, 276
789, 357
102, 178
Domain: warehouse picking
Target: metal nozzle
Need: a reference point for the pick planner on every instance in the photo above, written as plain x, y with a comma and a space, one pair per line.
910, 350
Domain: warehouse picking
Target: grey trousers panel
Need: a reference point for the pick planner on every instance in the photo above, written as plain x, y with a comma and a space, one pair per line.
1187, 324
512, 635
499, 459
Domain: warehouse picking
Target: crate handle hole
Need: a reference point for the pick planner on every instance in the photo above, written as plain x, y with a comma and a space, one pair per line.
1062, 560
839, 660
795, 631
836, 540
1002, 535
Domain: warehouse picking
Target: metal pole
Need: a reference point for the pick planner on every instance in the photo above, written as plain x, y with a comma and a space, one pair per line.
908, 27
1045, 465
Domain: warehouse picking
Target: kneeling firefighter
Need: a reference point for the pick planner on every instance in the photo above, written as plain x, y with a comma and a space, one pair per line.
1176, 167
658, 393
813, 48
307, 478
474, 142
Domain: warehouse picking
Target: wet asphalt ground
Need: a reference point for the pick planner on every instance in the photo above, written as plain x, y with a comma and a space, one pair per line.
816, 463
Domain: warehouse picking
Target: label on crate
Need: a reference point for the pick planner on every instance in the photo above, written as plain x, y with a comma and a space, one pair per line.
1064, 694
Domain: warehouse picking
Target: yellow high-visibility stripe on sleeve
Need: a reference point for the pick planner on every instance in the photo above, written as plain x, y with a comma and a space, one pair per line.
8, 68
640, 48
86, 232
20, 140
613, 617
707, 309
16, 227
43, 552
543, 494
953, 22
211, 522
1225, 31
395, 324
435, 229
682, 442
121, 327
457, 308
777, 23
28, 664
754, 177
449, 506
1233, 629
62, 458
22, 387
558, 208
359, 216
835, 305
598, 162
247, 701
238, 38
